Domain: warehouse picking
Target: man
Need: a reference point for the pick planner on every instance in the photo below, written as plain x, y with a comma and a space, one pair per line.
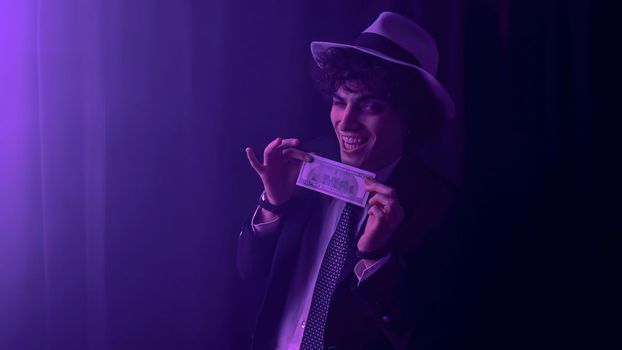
338, 277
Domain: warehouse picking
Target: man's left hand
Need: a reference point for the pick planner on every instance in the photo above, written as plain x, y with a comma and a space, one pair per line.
385, 215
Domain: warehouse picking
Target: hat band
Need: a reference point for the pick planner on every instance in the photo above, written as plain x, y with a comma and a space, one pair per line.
381, 44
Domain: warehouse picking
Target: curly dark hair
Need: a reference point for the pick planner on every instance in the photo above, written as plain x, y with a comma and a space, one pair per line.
400, 85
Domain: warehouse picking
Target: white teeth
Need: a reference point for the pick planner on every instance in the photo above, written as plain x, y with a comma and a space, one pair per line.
351, 143
349, 139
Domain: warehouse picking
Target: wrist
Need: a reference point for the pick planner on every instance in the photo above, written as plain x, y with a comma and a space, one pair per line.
267, 204
265, 196
371, 255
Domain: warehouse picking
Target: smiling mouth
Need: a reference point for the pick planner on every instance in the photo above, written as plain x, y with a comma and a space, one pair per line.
352, 144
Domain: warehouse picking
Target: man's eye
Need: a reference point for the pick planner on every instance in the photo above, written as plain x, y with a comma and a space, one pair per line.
373, 107
338, 103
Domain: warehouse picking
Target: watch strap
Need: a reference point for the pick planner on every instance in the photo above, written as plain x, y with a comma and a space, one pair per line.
265, 204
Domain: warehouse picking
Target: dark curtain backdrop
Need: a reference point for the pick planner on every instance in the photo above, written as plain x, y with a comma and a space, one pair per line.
123, 181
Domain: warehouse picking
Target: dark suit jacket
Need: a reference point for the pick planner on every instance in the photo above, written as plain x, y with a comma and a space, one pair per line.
399, 306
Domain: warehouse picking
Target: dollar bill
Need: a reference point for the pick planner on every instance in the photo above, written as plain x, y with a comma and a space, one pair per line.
335, 179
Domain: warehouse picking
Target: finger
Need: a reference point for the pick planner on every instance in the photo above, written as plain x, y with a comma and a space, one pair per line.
374, 186
269, 151
252, 159
375, 211
386, 209
382, 200
285, 143
297, 154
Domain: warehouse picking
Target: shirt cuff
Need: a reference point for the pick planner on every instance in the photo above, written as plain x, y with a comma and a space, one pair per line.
263, 228
362, 273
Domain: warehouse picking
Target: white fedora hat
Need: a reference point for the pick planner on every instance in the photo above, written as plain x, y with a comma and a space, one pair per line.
398, 39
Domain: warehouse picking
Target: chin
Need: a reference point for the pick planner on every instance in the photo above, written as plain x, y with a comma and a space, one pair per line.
352, 160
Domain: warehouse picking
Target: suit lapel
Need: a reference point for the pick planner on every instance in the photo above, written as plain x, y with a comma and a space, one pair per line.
294, 224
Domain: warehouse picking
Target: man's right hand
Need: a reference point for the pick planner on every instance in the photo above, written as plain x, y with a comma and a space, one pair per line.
280, 167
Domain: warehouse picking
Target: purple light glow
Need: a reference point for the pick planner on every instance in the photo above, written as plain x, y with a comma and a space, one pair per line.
123, 178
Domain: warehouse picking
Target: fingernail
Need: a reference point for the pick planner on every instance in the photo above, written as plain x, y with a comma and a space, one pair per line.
309, 159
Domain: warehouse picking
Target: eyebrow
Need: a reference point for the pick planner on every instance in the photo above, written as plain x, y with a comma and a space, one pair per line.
364, 97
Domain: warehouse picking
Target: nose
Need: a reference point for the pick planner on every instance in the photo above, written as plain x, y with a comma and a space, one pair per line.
350, 118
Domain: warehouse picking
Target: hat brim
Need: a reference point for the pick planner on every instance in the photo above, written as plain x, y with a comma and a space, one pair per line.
438, 91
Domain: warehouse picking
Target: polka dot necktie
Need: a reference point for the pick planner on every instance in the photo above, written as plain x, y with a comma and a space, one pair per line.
330, 270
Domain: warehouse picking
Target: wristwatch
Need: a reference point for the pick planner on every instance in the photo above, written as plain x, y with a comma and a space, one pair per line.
264, 203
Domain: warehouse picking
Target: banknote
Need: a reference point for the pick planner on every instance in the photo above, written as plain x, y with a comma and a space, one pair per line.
335, 179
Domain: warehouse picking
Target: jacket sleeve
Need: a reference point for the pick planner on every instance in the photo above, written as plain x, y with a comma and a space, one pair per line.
254, 252
408, 294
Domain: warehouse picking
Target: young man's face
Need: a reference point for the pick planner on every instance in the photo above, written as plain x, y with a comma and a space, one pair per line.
368, 127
